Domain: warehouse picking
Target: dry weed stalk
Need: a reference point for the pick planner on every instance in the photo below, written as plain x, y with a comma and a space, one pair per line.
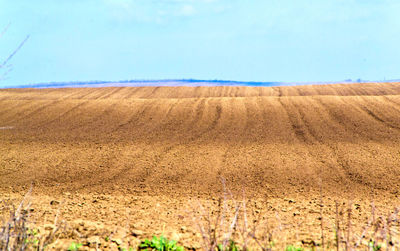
337, 225
217, 231
248, 231
15, 233
52, 235
349, 230
231, 225
244, 228
377, 233
265, 240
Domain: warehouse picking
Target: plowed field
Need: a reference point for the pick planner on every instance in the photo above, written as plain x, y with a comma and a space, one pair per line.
151, 151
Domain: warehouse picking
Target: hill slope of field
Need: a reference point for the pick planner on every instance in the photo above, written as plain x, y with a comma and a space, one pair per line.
177, 142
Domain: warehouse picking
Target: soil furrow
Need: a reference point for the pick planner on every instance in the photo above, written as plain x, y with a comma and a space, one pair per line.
154, 149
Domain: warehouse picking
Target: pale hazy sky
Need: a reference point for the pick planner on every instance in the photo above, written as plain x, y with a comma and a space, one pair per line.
250, 40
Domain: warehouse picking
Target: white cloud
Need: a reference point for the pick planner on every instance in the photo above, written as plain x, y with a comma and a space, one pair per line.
187, 10
160, 11
121, 9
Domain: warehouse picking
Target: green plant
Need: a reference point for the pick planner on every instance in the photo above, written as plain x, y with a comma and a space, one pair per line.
293, 248
32, 237
126, 249
231, 247
374, 246
74, 246
160, 244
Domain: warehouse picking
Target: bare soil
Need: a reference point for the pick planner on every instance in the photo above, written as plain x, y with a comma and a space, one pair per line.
144, 158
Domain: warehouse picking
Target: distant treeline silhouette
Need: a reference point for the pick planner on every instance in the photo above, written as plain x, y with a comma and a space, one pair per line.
144, 82
179, 82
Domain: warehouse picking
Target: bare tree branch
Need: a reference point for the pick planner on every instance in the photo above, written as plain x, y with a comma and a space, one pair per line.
8, 69
5, 66
14, 52
5, 30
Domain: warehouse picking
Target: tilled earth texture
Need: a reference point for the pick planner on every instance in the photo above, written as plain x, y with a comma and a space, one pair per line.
133, 162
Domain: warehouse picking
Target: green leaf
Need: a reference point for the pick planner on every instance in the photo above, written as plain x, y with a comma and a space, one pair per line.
74, 246
160, 244
293, 248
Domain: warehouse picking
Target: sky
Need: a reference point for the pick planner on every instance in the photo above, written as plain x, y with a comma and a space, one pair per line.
244, 40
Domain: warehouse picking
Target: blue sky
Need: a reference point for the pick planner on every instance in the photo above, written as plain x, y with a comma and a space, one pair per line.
253, 40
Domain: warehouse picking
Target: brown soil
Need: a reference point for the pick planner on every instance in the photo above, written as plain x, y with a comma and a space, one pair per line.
143, 157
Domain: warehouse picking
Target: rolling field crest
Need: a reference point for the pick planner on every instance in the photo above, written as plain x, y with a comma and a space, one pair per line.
345, 134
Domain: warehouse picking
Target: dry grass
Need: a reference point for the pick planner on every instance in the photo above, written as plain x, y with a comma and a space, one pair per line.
234, 227
139, 147
17, 233
14, 233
